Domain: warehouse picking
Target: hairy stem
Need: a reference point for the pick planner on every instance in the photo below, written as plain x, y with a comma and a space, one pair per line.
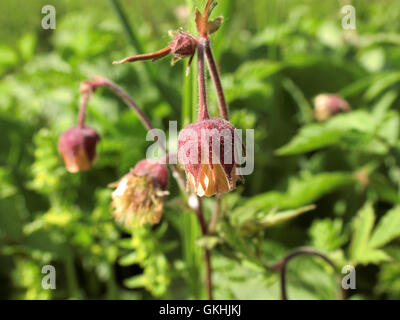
88, 87
132, 104
147, 56
282, 266
82, 110
212, 66
203, 110
202, 115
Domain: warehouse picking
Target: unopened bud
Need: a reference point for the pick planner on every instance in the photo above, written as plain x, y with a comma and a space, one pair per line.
183, 45
327, 105
78, 148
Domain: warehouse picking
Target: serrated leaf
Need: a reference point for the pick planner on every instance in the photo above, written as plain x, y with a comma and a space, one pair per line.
362, 226
387, 229
327, 234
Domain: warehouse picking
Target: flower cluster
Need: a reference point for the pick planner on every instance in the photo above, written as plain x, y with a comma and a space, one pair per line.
206, 148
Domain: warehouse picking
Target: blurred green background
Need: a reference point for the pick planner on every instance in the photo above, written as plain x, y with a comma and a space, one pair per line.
275, 56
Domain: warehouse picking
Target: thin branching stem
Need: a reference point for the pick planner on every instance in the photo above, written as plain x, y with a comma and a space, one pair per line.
212, 66
282, 267
91, 86
82, 110
203, 109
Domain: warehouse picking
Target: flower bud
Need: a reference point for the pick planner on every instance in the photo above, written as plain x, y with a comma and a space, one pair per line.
183, 45
139, 195
206, 149
78, 148
327, 105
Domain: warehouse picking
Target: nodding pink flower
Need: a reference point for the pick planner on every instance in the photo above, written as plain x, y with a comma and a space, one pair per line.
327, 105
206, 150
139, 195
78, 148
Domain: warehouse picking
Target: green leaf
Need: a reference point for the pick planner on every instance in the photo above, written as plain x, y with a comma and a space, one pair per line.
136, 282
373, 256
208, 242
273, 218
298, 96
249, 79
234, 239
383, 105
363, 224
353, 126
128, 259
26, 45
301, 191
387, 229
327, 234
382, 84
310, 138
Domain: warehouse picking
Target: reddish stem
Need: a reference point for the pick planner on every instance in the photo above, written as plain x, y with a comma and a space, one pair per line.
147, 56
82, 109
88, 87
282, 266
203, 110
223, 109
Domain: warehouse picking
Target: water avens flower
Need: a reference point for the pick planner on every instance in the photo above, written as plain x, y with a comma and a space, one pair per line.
78, 148
139, 195
327, 105
206, 150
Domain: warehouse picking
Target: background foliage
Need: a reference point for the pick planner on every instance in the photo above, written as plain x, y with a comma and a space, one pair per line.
275, 56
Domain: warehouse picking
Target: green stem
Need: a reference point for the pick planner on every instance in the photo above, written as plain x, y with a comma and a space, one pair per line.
166, 92
73, 286
134, 40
